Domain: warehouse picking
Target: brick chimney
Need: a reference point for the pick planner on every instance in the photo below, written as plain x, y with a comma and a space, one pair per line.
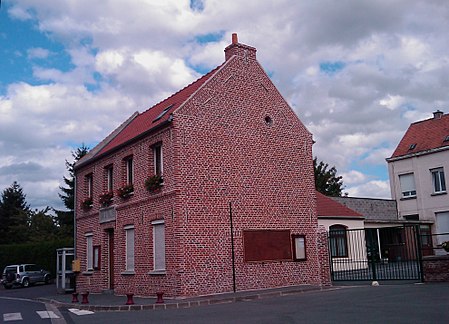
235, 48
437, 114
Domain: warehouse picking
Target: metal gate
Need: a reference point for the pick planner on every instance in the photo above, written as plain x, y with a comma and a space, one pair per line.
388, 253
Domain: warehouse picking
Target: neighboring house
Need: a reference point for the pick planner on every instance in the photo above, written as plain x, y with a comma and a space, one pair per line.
418, 171
346, 234
209, 191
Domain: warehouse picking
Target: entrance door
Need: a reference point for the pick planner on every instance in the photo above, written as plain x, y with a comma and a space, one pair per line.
111, 258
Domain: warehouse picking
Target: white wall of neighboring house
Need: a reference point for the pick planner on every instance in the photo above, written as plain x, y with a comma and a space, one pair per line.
427, 204
357, 258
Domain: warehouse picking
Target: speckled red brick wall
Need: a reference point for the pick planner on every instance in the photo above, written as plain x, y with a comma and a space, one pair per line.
234, 147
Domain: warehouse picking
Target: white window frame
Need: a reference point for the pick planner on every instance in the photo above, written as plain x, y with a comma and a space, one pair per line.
407, 184
90, 185
129, 170
158, 164
130, 248
89, 251
158, 246
110, 178
438, 180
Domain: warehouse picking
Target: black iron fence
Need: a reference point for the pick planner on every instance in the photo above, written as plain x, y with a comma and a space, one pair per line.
389, 253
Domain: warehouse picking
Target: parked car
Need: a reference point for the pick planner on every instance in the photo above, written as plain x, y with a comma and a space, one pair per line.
24, 275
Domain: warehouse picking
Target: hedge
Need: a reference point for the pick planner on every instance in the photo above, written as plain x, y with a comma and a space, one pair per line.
41, 253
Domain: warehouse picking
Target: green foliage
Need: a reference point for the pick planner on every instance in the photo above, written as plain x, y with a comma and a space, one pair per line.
14, 215
64, 218
326, 180
42, 253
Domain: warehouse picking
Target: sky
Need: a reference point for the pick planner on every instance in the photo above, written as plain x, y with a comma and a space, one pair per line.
357, 74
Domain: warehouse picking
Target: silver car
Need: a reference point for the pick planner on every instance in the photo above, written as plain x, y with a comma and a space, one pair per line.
24, 275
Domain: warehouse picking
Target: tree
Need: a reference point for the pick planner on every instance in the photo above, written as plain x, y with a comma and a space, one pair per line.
326, 180
42, 226
65, 217
14, 215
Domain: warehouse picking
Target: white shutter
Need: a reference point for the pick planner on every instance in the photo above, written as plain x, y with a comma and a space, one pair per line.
130, 249
407, 182
159, 245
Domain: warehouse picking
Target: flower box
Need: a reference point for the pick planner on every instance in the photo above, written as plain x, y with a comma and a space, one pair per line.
126, 190
106, 198
154, 183
87, 203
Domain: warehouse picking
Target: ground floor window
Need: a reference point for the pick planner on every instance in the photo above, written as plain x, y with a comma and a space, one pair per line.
129, 230
338, 241
158, 245
89, 251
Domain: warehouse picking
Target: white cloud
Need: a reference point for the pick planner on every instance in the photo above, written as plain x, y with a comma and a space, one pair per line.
128, 56
371, 189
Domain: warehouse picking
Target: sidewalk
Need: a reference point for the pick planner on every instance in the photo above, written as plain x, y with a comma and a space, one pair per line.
109, 302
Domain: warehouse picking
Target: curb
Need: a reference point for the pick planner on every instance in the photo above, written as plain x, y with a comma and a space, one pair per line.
215, 300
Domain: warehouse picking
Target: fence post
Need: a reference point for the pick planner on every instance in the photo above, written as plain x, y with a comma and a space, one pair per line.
373, 262
419, 252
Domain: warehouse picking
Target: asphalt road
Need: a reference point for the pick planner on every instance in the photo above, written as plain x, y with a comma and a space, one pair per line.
397, 303
410, 303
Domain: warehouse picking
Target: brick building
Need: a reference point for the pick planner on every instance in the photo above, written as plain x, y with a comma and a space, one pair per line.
208, 191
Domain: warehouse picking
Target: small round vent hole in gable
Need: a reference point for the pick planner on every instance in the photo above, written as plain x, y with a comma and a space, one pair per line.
268, 121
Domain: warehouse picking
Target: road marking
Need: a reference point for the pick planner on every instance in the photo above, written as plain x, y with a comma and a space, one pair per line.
47, 314
12, 317
77, 311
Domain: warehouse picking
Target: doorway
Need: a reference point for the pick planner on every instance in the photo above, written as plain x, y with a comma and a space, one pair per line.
110, 271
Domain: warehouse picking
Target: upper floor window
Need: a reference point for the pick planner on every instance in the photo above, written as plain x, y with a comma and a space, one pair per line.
129, 165
438, 181
157, 152
109, 178
408, 187
89, 185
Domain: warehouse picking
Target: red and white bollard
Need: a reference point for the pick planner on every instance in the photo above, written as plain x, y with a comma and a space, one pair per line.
75, 297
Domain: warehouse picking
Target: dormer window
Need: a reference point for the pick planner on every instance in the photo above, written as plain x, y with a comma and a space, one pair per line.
446, 139
412, 146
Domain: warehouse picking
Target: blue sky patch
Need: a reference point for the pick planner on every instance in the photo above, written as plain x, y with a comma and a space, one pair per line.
210, 38
197, 5
332, 67
17, 39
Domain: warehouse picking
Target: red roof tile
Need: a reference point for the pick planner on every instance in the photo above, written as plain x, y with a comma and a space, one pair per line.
426, 135
155, 115
330, 208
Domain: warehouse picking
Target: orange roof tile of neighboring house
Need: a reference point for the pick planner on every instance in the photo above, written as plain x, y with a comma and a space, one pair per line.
326, 207
155, 115
425, 135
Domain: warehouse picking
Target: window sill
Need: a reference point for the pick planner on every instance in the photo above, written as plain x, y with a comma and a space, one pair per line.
88, 272
128, 273
439, 193
408, 198
157, 273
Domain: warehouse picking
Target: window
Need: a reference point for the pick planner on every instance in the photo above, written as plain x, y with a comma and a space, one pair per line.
129, 230
157, 152
299, 247
89, 252
438, 181
338, 241
407, 182
129, 170
158, 245
109, 178
89, 185
96, 257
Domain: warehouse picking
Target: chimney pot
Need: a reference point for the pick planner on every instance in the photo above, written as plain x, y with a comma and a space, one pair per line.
437, 114
235, 39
